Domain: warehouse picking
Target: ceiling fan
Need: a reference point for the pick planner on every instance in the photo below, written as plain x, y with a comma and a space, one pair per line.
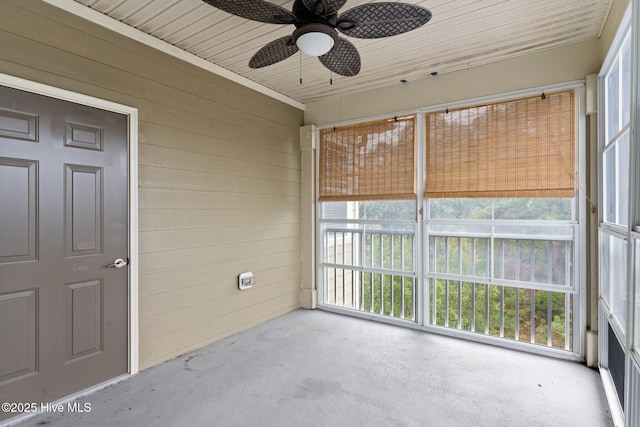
317, 25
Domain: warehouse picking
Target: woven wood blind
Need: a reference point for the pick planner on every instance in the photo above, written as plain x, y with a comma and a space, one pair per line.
519, 148
368, 161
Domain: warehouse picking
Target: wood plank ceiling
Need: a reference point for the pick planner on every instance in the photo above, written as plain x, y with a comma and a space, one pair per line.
461, 34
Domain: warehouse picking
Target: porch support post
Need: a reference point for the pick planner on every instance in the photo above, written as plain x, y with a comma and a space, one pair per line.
591, 347
309, 292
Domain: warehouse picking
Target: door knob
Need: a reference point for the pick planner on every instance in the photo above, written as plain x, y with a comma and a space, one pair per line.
119, 263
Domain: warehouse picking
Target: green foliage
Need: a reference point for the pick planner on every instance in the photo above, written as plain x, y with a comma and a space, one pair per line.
389, 295
453, 303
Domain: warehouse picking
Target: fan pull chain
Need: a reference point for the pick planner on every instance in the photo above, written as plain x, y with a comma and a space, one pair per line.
331, 78
300, 67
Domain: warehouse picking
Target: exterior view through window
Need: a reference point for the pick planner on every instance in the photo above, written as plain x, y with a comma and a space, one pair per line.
487, 247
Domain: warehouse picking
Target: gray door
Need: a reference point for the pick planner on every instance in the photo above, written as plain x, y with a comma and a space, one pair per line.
63, 220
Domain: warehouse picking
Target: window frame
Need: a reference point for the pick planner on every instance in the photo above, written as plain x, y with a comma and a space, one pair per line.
579, 213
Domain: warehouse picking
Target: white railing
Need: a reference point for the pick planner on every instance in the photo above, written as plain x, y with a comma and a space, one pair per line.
370, 270
516, 287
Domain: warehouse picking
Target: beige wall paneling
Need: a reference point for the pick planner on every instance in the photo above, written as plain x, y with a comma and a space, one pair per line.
219, 179
553, 66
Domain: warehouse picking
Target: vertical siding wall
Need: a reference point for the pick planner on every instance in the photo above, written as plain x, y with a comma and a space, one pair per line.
219, 176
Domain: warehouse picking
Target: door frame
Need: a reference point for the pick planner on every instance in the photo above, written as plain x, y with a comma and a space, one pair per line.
132, 148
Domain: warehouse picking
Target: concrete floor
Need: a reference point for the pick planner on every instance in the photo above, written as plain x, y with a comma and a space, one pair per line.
313, 368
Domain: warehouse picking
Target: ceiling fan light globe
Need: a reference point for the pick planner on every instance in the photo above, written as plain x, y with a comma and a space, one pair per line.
315, 43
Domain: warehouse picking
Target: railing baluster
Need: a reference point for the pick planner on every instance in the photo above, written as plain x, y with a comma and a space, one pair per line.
446, 286
502, 245
488, 258
413, 298
517, 291
501, 311
473, 285
533, 292
381, 251
335, 270
372, 290
486, 309
402, 297
402, 267
567, 296
549, 264
381, 292
459, 304
371, 245
353, 277
533, 316
361, 254
391, 311
446, 303
344, 278
391, 238
549, 318
460, 255
435, 293
567, 320
459, 283
446, 254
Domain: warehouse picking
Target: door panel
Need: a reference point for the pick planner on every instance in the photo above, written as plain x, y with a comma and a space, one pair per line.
18, 191
63, 220
83, 210
18, 339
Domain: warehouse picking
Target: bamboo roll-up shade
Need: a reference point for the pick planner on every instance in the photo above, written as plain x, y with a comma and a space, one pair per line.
368, 161
518, 148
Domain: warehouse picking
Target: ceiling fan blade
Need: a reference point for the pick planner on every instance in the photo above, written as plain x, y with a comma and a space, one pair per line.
376, 20
256, 10
324, 7
273, 52
343, 59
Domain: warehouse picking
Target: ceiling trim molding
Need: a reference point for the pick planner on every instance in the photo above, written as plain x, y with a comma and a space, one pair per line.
105, 21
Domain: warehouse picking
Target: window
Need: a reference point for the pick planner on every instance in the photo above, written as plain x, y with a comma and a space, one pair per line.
637, 301
367, 187
613, 276
496, 241
615, 150
500, 190
615, 162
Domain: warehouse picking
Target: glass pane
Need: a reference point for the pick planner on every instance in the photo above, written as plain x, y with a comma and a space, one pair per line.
461, 230
637, 302
605, 268
460, 208
389, 248
623, 179
613, 266
626, 80
336, 210
387, 209
539, 261
542, 209
612, 101
538, 232
342, 245
609, 185
459, 255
